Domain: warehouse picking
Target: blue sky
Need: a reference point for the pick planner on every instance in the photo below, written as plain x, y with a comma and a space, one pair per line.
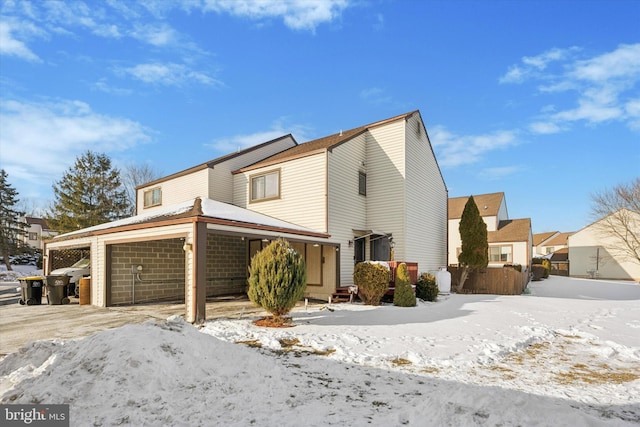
538, 99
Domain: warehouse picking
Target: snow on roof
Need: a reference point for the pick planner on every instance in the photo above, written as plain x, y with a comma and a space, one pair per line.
210, 208
215, 209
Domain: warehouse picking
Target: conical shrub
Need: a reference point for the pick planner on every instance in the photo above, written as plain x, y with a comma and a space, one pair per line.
277, 278
403, 295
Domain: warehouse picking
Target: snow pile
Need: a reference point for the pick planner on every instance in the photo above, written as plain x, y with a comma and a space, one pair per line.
539, 359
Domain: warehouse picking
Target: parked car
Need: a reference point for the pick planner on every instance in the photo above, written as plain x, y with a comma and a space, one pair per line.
76, 272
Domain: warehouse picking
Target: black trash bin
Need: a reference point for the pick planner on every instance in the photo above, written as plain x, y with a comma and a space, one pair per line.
57, 290
31, 290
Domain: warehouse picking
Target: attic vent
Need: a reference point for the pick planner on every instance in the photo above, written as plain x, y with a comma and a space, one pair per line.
418, 128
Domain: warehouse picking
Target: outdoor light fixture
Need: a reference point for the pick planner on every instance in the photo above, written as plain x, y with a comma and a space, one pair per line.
350, 243
186, 247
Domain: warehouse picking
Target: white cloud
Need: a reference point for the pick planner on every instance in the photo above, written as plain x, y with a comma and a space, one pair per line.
455, 150
296, 14
624, 63
544, 128
532, 66
375, 95
499, 172
169, 74
41, 140
278, 129
11, 46
595, 89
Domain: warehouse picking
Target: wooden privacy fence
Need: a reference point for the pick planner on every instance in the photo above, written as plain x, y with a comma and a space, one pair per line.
498, 281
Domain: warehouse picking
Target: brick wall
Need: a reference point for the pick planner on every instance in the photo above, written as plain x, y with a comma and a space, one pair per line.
226, 265
163, 271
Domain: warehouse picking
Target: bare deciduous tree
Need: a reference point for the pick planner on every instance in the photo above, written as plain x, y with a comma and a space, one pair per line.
135, 175
617, 212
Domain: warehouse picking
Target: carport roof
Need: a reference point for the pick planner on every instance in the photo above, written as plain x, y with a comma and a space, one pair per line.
197, 209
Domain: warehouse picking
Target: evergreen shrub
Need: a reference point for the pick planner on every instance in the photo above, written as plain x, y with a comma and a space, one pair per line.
403, 295
372, 280
277, 278
426, 287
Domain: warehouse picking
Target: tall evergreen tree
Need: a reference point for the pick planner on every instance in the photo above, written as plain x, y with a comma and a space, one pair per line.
11, 228
88, 194
475, 246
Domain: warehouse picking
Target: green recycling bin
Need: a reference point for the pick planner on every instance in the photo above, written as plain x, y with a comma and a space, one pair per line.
57, 290
31, 290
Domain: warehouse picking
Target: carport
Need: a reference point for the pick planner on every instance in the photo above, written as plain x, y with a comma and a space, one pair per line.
189, 252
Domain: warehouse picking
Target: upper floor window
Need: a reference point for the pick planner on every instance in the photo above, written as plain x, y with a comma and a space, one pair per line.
500, 254
33, 236
362, 183
152, 197
265, 186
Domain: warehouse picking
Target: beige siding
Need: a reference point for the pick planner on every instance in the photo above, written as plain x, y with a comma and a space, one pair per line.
302, 192
426, 203
386, 192
347, 208
221, 179
520, 253
177, 190
214, 183
590, 250
455, 241
491, 221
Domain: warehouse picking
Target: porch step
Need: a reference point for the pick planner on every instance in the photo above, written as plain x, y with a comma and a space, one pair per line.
342, 294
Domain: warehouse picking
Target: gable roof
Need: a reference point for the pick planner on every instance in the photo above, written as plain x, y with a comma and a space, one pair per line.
511, 230
321, 144
37, 221
218, 160
488, 204
560, 239
560, 255
539, 238
206, 210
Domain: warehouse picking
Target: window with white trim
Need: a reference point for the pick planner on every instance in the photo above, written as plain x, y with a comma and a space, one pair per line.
500, 253
265, 186
152, 197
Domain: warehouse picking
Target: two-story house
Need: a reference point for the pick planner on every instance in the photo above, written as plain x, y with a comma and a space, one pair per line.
360, 194
554, 246
510, 240
37, 231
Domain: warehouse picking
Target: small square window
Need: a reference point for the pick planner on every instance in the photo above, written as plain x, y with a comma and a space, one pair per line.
152, 197
362, 183
265, 186
33, 236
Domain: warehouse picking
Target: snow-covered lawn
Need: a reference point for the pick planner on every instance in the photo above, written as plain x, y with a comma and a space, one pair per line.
567, 354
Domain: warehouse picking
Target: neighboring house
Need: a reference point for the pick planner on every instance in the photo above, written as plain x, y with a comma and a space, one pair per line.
594, 252
38, 231
510, 240
374, 192
555, 243
539, 242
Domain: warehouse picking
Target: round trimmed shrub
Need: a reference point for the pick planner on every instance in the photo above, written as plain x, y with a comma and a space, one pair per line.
372, 280
277, 278
403, 295
426, 287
